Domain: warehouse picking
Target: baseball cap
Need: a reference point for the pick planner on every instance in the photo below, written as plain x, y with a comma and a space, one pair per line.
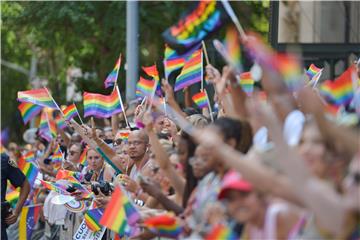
233, 181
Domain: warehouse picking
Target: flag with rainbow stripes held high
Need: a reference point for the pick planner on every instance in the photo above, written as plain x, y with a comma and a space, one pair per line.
101, 106
152, 71
70, 112
44, 129
29, 156
29, 111
60, 122
312, 71
172, 61
144, 87
29, 170
232, 46
192, 71
82, 159
113, 75
340, 91
246, 82
39, 97
200, 99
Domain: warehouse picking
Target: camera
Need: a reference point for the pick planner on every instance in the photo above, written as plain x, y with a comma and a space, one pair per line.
88, 175
105, 187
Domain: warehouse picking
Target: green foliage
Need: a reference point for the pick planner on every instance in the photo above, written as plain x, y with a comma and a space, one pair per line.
88, 35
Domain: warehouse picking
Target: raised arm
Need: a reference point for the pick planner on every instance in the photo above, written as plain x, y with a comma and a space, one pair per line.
162, 158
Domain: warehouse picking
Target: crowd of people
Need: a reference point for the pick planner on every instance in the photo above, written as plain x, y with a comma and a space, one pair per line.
273, 167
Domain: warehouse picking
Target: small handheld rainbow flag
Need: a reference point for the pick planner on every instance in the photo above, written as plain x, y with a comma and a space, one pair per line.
101, 106
29, 170
92, 218
288, 66
70, 112
172, 62
164, 225
192, 71
152, 71
39, 97
232, 46
66, 174
201, 100
247, 83
29, 157
113, 75
114, 218
57, 156
44, 130
124, 136
28, 111
12, 197
340, 91
52, 128
82, 159
221, 232
312, 71
60, 122
144, 87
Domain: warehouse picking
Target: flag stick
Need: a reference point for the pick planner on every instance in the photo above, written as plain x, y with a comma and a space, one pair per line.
233, 17
317, 77
122, 107
202, 73
209, 106
54, 101
78, 114
205, 51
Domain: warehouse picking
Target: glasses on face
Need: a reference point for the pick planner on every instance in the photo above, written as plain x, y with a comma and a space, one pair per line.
135, 143
193, 160
117, 142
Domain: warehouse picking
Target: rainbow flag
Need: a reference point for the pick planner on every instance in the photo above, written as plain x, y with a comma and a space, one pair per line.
152, 71
164, 225
29, 170
221, 232
82, 159
92, 218
144, 87
200, 99
312, 71
112, 77
12, 197
52, 128
288, 66
57, 156
114, 218
246, 82
340, 91
124, 136
28, 111
232, 46
44, 129
195, 25
59, 188
39, 97
70, 112
172, 61
60, 122
29, 157
192, 71
101, 106
28, 218
65, 174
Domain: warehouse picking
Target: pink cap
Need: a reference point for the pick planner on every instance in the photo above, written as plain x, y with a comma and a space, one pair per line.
233, 181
